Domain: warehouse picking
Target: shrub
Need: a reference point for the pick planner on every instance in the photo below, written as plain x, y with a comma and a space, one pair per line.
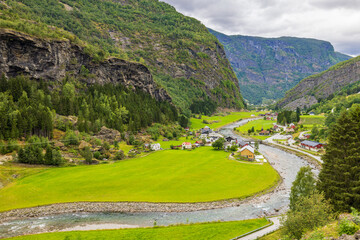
347, 227
97, 155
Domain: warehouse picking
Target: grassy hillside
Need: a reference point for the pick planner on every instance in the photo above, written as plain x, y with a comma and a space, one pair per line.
180, 52
214, 231
166, 176
218, 121
268, 67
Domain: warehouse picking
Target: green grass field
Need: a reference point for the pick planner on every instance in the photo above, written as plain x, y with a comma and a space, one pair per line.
167, 144
257, 124
309, 121
165, 176
214, 231
216, 122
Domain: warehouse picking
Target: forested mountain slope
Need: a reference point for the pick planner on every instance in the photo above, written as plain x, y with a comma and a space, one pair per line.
181, 54
268, 67
324, 85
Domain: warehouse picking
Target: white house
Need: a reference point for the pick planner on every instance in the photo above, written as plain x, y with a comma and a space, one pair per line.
155, 147
186, 145
215, 136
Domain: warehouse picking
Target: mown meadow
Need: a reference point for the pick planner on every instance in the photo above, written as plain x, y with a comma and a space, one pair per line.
200, 175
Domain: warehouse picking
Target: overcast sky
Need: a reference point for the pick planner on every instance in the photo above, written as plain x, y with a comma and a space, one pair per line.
336, 21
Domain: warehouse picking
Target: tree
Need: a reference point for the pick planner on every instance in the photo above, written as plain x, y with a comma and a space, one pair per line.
339, 177
48, 158
87, 155
218, 144
310, 212
257, 145
303, 186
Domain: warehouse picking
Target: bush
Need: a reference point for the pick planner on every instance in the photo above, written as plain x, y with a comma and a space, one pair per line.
97, 155
119, 155
70, 138
347, 227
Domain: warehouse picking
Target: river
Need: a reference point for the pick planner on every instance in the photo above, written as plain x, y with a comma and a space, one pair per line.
272, 203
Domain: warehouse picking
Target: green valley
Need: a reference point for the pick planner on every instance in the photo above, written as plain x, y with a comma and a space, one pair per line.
168, 176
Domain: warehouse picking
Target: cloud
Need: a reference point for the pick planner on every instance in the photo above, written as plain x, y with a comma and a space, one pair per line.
336, 21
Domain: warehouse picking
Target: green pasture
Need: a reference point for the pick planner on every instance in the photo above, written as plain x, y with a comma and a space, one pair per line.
257, 124
309, 121
202, 231
167, 144
200, 175
221, 120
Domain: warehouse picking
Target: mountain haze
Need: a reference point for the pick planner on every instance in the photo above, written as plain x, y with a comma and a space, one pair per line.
268, 67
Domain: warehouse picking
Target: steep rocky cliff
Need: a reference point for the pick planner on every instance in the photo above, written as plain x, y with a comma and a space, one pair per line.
181, 54
320, 86
268, 67
51, 60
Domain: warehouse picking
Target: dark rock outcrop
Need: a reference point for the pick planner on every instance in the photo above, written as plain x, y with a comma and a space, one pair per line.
322, 85
51, 60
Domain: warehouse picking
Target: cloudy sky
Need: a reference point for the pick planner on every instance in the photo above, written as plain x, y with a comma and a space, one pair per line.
337, 21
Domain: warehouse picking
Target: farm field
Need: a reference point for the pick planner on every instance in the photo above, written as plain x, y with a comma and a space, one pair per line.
215, 231
165, 176
167, 144
216, 122
257, 124
309, 121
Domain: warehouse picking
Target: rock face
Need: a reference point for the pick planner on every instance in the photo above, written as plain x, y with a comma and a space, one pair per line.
51, 60
268, 67
322, 85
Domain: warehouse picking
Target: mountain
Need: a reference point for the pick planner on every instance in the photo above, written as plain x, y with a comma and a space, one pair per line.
318, 87
180, 53
268, 67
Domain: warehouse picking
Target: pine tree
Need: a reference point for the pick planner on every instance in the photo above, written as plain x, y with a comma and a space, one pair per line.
339, 178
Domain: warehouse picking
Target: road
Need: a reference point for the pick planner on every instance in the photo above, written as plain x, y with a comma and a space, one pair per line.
271, 140
265, 231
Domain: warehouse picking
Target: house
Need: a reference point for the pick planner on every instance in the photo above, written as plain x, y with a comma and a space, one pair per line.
248, 152
292, 126
264, 132
306, 136
206, 130
290, 130
187, 129
312, 113
227, 145
311, 145
155, 146
215, 136
268, 118
186, 145
276, 128
229, 139
203, 136
242, 143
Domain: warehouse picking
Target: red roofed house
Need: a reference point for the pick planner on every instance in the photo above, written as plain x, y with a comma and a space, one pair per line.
186, 145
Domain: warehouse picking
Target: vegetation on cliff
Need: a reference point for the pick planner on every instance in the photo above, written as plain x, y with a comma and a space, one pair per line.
180, 52
268, 67
28, 107
340, 79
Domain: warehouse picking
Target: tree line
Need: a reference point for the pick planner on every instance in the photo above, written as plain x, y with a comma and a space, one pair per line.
28, 107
